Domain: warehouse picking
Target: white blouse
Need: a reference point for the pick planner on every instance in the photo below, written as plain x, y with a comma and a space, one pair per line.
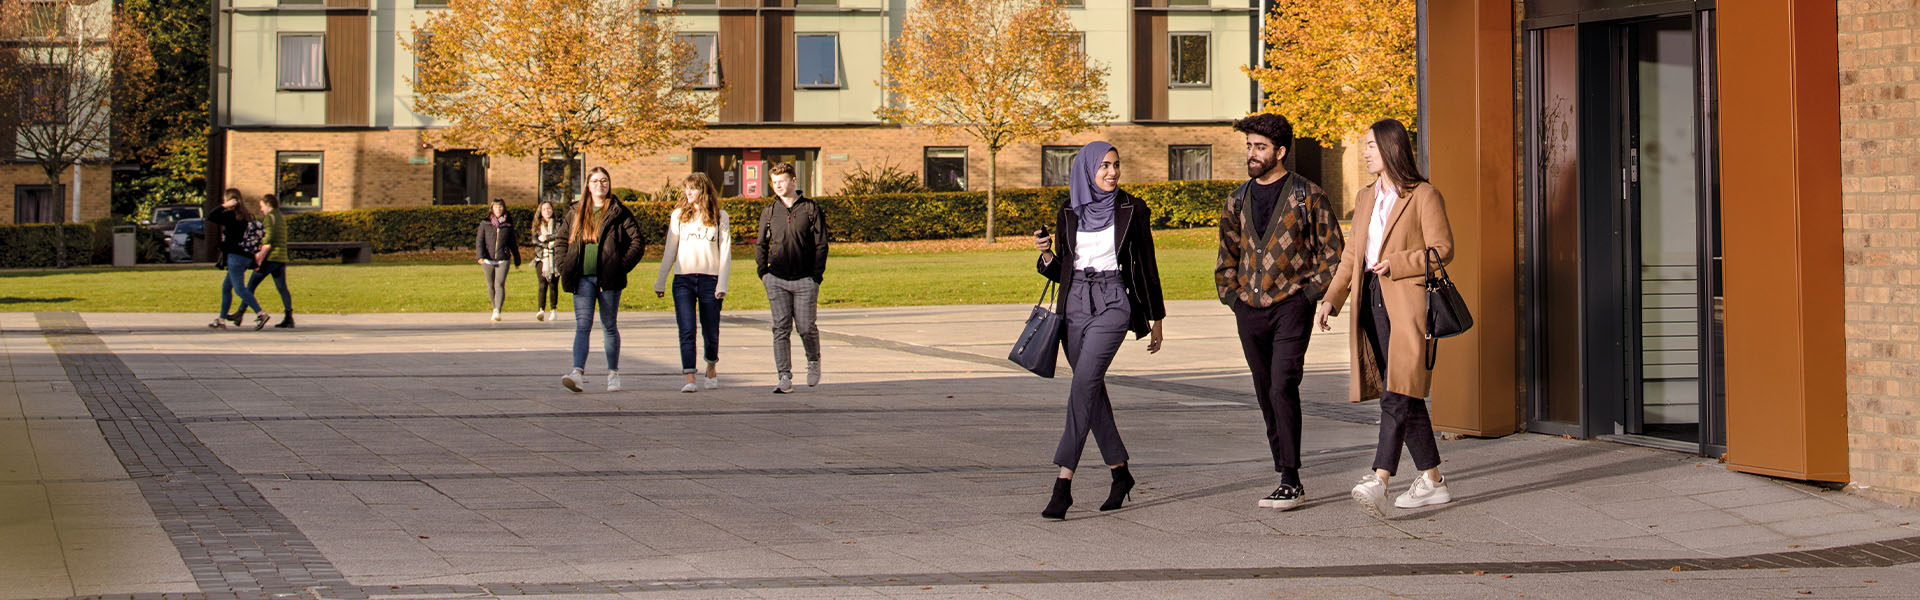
694, 248
1384, 197
1097, 249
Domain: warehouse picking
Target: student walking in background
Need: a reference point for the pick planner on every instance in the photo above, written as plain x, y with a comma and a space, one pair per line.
598, 245
1109, 285
1279, 244
272, 258
545, 233
1396, 222
790, 258
236, 256
698, 253
495, 244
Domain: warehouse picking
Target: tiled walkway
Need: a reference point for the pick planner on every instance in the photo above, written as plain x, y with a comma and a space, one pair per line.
431, 456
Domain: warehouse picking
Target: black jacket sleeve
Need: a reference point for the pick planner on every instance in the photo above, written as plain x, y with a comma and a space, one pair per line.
820, 238
512, 240
760, 244
1051, 268
480, 241
1142, 230
638, 247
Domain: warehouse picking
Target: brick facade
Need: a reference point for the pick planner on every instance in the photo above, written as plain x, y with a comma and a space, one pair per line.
1880, 162
94, 184
381, 168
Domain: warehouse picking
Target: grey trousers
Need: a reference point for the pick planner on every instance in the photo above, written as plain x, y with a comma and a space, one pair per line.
1096, 316
497, 283
793, 302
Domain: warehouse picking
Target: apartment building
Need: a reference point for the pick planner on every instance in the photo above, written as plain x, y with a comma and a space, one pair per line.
25, 195
312, 101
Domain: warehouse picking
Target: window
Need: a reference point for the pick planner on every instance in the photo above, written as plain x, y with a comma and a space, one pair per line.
1074, 3
36, 204
1056, 164
1189, 2
553, 177
1189, 59
816, 2
818, 63
946, 169
304, 2
429, 3
422, 44
303, 61
43, 100
298, 177
1189, 162
705, 71
459, 177
695, 2
45, 19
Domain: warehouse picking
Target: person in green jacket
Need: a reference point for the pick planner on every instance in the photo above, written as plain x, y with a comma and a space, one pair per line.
272, 257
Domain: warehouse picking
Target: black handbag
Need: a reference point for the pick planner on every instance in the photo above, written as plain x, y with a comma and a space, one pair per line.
1447, 314
1038, 347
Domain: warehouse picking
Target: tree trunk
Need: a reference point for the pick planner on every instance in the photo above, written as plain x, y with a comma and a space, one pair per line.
567, 175
993, 187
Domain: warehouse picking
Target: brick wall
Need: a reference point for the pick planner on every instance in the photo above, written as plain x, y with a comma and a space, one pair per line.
366, 169
94, 182
1880, 162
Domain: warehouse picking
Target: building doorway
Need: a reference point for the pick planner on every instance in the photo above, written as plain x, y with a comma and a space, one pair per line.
1623, 232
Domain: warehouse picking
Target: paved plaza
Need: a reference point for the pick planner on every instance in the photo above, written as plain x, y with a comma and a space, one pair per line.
436, 456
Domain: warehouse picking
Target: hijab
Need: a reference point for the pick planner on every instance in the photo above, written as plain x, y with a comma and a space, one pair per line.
1091, 204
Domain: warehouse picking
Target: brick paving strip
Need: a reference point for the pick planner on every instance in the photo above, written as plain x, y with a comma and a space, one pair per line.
234, 542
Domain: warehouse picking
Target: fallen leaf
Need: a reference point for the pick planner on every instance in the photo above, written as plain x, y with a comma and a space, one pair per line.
629, 456
1793, 545
847, 542
1669, 581
1039, 564
1677, 568
1807, 592
1479, 572
926, 587
1870, 581
1506, 577
829, 523
423, 537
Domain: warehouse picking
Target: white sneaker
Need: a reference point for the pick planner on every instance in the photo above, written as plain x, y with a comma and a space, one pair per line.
1423, 493
550, 316
613, 381
785, 386
571, 380
539, 315
712, 383
689, 388
218, 323
813, 373
496, 315
1371, 494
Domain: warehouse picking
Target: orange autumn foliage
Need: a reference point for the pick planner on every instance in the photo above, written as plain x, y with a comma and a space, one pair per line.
1335, 66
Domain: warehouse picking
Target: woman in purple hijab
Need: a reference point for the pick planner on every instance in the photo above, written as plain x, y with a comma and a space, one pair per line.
1109, 285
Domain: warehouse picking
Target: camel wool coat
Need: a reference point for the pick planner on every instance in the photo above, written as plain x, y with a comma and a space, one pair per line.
1417, 221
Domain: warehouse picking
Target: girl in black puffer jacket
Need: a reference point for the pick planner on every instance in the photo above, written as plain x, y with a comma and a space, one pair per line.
599, 243
494, 243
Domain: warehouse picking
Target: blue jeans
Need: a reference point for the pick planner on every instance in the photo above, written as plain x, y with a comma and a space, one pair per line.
584, 297
236, 284
694, 293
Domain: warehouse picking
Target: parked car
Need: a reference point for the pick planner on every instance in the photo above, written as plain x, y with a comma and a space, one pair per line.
185, 234
164, 218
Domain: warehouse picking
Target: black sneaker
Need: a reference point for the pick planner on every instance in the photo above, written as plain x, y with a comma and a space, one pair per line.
1285, 497
286, 322
260, 321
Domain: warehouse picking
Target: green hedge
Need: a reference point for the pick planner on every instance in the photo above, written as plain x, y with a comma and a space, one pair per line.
31, 245
886, 217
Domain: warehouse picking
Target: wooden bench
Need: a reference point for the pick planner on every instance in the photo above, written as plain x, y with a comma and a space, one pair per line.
350, 252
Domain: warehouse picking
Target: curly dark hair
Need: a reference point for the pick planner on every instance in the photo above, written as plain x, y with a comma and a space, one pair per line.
1273, 127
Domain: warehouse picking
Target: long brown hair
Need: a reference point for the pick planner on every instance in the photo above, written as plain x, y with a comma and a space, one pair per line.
540, 220
1396, 152
586, 222
708, 204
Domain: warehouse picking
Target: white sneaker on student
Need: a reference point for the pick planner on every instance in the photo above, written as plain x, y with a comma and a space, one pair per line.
613, 381
785, 386
689, 388
712, 383
496, 315
813, 373
539, 315
550, 316
1371, 494
571, 380
1424, 493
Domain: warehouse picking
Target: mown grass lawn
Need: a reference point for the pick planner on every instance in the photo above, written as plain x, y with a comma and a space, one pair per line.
858, 275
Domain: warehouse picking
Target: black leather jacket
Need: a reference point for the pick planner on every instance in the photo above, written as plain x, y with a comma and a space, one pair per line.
1139, 272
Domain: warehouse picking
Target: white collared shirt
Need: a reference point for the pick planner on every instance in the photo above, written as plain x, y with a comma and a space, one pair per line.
1384, 197
1097, 249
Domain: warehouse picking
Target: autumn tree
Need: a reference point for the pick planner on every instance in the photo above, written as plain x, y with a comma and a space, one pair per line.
517, 77
1000, 71
1333, 67
68, 62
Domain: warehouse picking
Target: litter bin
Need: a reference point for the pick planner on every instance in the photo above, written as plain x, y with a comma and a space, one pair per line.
123, 246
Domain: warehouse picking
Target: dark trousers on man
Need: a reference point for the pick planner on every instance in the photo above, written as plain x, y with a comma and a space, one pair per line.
1403, 419
277, 270
1274, 339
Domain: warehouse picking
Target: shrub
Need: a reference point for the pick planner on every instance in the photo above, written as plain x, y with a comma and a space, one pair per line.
31, 245
885, 179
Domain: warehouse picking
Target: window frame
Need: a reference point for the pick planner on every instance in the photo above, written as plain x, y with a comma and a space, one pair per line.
926, 165
713, 58
797, 57
64, 96
1065, 178
1173, 162
21, 189
552, 155
279, 55
280, 157
65, 11
1173, 59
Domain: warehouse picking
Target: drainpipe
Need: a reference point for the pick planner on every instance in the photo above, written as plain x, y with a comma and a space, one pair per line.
76, 191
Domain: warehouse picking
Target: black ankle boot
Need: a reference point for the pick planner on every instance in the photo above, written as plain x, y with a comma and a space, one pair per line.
1122, 484
1062, 498
286, 322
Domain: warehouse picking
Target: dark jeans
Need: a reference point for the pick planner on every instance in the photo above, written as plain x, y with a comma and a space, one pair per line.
1274, 340
549, 295
1403, 419
235, 284
279, 272
694, 294
1096, 316
584, 297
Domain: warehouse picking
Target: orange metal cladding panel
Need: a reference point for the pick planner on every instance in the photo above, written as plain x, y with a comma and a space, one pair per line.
1780, 228
349, 69
1470, 99
739, 66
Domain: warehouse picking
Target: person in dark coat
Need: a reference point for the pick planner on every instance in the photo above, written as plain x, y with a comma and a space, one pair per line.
600, 242
1109, 286
494, 243
233, 219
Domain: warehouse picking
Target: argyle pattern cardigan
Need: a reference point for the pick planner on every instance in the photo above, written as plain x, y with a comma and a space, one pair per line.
1298, 255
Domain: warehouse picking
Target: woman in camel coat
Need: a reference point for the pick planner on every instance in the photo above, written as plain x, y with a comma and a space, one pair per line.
1395, 222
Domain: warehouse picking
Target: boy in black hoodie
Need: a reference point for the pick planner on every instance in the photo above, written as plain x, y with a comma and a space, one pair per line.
791, 256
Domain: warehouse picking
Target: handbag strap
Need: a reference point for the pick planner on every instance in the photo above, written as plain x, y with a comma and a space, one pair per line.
1050, 287
1433, 256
